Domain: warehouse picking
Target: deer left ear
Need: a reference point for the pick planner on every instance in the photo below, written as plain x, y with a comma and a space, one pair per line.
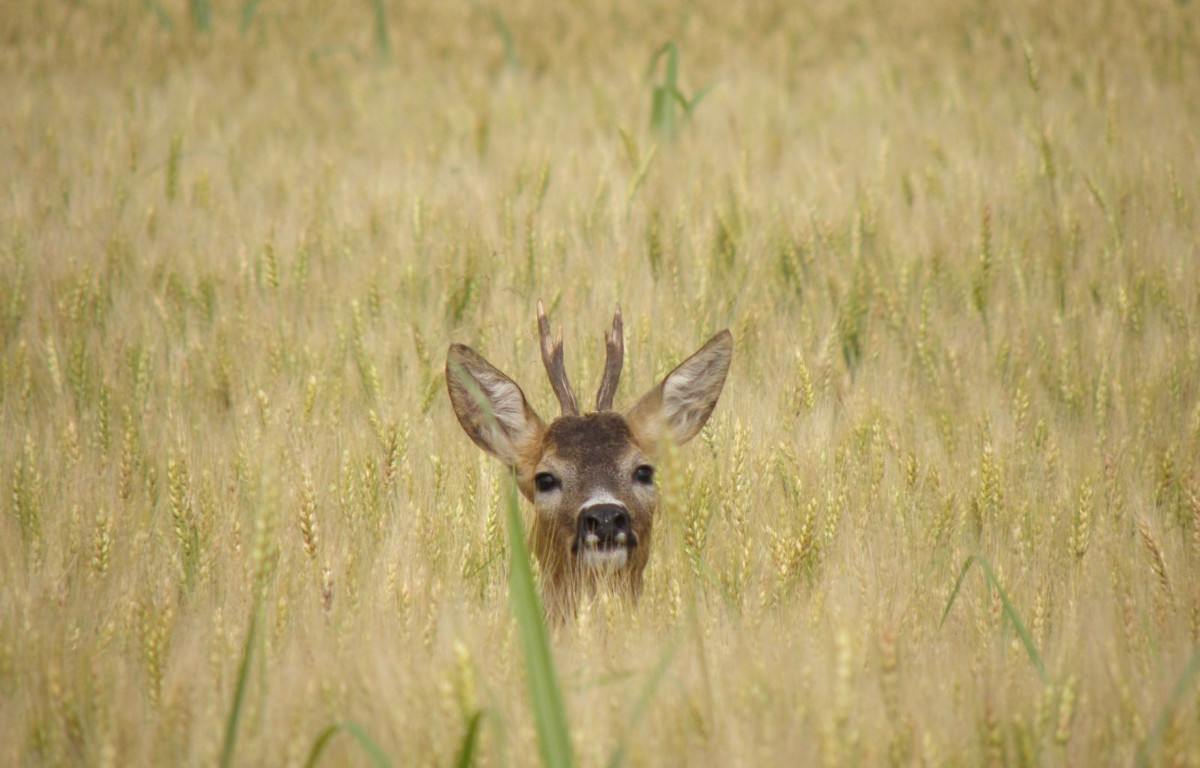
491, 408
678, 408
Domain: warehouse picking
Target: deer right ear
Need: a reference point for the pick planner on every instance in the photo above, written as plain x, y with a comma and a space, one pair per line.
491, 408
679, 406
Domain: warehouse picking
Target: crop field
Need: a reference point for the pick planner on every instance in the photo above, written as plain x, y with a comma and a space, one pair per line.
946, 513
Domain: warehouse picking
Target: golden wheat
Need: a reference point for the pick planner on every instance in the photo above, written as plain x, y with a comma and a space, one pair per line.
956, 246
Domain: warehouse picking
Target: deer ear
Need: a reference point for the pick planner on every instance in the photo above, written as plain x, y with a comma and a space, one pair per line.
679, 406
491, 408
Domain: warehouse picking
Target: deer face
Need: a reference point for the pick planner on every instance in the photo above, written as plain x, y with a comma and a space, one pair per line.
591, 477
593, 490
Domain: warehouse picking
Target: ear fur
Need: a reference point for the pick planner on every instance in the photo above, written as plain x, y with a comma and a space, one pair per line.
680, 405
491, 408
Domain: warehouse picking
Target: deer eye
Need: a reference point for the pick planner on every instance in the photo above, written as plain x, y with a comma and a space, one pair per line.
644, 474
545, 482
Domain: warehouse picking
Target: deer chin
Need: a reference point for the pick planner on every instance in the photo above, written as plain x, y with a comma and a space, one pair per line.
604, 559
594, 554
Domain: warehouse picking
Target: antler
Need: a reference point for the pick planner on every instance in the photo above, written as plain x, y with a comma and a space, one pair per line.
615, 358
552, 357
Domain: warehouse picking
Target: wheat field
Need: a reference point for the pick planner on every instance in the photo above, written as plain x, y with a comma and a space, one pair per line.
947, 511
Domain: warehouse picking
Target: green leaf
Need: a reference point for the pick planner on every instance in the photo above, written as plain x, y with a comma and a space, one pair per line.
466, 753
697, 97
636, 182
662, 116
382, 41
1010, 612
368, 745
510, 50
164, 20
962, 574
249, 7
666, 96
239, 693
545, 694
201, 15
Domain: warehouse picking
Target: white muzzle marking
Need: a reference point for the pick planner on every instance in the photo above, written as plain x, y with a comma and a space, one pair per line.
604, 559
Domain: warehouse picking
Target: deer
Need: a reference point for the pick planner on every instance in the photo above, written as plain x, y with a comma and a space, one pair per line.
590, 476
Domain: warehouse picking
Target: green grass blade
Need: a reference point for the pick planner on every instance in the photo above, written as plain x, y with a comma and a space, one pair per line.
466, 753
249, 8
697, 97
545, 694
962, 574
510, 49
1010, 612
662, 113
355, 731
662, 108
671, 74
662, 51
201, 14
678, 97
1015, 618
666, 95
636, 182
164, 20
1182, 685
383, 42
239, 693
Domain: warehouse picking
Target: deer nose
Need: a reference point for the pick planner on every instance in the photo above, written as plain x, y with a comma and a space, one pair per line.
609, 523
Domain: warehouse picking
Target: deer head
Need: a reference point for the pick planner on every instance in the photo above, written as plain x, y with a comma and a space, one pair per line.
591, 476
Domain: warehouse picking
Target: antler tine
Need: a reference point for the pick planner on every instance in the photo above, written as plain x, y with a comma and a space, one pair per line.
615, 358
552, 358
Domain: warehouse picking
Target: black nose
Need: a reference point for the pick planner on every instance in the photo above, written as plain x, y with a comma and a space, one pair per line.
606, 522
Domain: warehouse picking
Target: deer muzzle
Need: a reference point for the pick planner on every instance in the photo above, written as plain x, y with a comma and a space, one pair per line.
604, 536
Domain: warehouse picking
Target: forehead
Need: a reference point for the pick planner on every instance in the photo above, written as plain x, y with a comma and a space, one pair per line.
596, 436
